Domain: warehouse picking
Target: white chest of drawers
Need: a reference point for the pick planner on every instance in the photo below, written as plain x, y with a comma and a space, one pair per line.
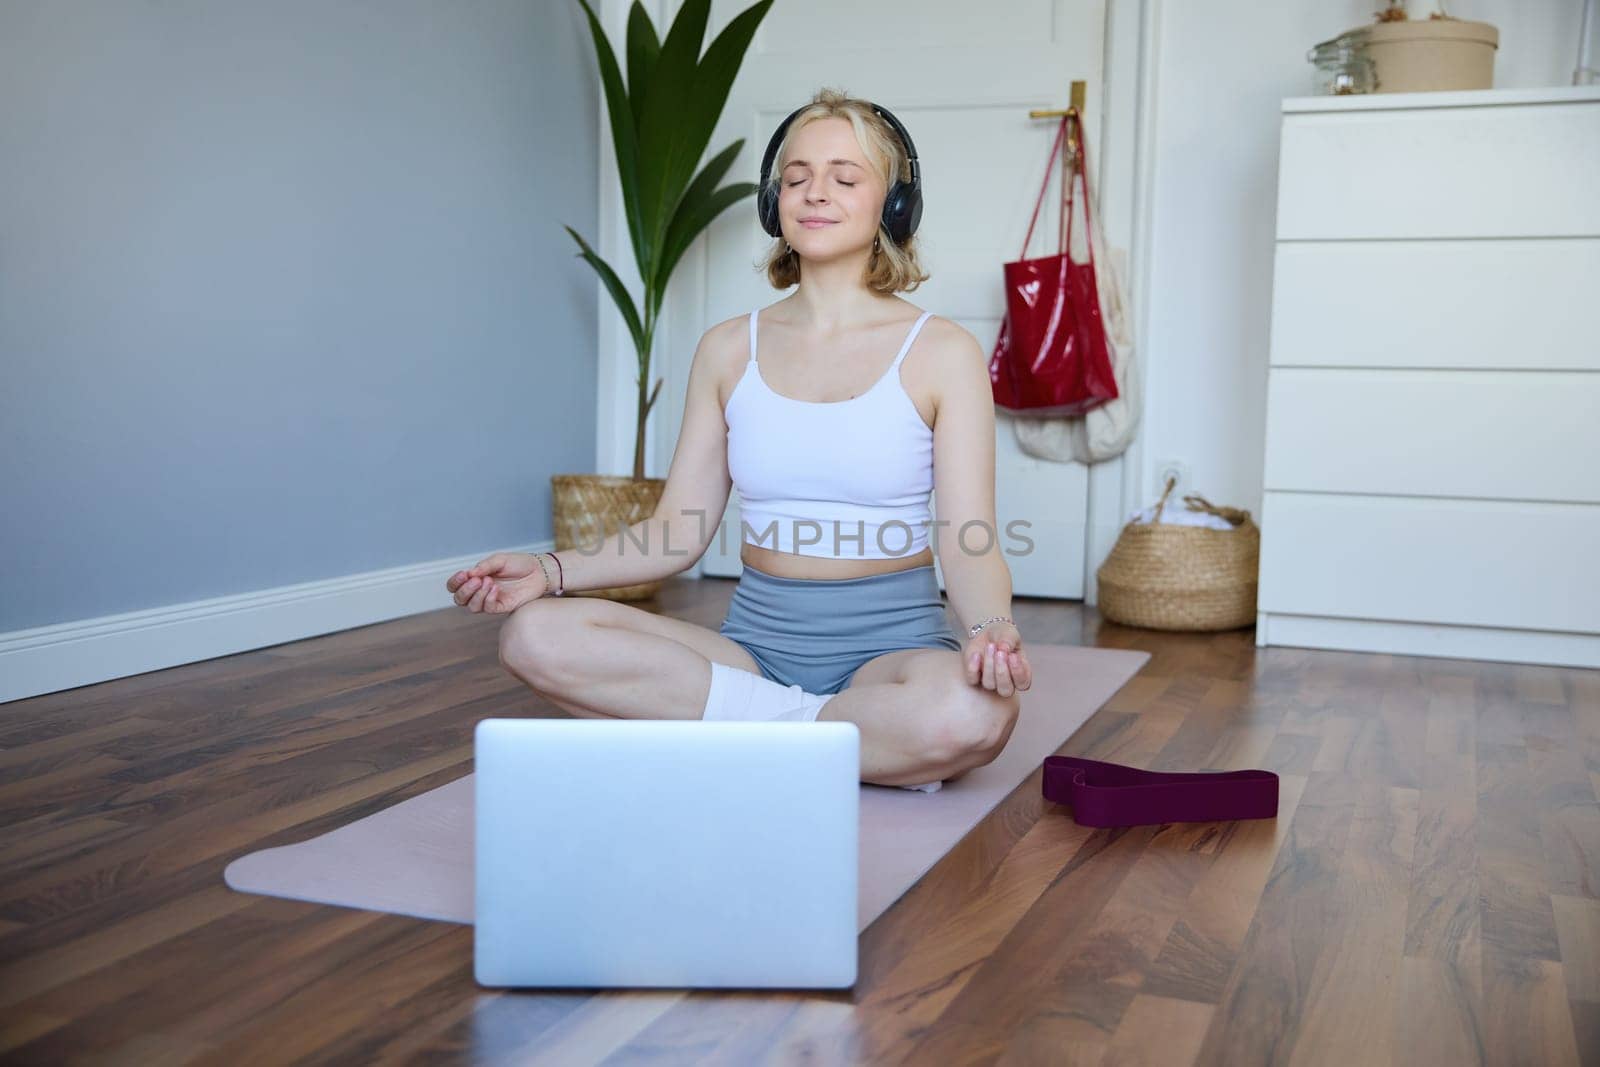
1432, 467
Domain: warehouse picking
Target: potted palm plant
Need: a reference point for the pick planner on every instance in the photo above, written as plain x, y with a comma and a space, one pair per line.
661, 122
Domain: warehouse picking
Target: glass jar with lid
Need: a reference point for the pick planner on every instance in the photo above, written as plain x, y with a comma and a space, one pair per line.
1342, 65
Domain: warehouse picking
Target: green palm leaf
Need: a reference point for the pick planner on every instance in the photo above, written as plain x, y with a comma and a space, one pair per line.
619, 292
678, 238
662, 122
661, 119
643, 48
694, 216
623, 137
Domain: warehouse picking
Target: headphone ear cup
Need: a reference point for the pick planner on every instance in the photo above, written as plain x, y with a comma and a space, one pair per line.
902, 210
893, 206
767, 211
913, 211
902, 205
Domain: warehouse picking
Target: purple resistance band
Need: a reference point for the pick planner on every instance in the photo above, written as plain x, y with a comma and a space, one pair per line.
1109, 794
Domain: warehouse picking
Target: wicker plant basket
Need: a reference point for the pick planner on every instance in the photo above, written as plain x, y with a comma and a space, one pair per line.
1163, 576
591, 507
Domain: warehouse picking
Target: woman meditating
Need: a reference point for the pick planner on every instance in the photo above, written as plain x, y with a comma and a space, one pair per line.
835, 411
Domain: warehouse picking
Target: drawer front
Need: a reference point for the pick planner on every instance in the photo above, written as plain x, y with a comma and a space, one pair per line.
1509, 435
1502, 171
1463, 562
1525, 304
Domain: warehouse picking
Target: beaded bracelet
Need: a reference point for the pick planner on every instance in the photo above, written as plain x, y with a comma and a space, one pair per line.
561, 583
975, 628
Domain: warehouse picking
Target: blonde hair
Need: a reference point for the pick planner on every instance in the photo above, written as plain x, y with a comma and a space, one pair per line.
892, 267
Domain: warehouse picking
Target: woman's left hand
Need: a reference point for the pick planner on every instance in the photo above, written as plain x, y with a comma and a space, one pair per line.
995, 659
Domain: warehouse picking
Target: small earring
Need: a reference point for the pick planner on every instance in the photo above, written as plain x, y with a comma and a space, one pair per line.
875, 242
787, 247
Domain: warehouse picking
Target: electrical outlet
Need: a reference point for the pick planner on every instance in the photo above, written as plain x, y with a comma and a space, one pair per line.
1172, 468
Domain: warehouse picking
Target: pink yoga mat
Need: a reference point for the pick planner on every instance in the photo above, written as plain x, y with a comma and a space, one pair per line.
416, 857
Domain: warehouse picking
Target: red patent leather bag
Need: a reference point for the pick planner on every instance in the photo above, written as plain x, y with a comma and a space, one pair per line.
1051, 358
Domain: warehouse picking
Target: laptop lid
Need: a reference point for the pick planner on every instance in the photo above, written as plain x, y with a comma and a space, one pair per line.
679, 853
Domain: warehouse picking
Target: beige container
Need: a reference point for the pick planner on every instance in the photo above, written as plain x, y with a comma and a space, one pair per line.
1166, 576
1428, 55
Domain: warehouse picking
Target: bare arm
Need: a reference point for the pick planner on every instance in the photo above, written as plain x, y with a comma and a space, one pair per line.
691, 505
976, 576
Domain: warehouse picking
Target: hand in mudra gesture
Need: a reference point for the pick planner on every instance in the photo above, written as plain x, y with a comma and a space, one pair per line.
995, 660
498, 585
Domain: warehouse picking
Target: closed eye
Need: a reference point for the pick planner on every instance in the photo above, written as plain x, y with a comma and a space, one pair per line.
851, 185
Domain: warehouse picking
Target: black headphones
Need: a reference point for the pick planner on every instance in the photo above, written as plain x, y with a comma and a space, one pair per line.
902, 205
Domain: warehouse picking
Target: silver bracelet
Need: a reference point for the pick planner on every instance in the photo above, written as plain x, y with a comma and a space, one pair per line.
975, 628
548, 584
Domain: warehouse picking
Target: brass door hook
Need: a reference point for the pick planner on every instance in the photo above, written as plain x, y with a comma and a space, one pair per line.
1074, 113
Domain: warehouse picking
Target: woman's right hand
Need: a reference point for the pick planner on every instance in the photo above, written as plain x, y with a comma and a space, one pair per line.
500, 584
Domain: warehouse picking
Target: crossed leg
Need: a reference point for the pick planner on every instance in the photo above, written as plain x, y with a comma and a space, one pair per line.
919, 718
922, 694
601, 659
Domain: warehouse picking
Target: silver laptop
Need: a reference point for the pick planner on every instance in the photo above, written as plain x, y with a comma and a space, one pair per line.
647, 853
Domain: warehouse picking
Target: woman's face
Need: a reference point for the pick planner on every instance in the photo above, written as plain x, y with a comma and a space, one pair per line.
825, 176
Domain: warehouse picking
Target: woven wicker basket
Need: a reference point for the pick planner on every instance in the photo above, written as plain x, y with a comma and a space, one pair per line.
1163, 576
591, 507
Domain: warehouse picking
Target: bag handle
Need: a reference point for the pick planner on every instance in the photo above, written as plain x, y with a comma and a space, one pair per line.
1070, 178
1081, 174
1049, 166
1234, 516
1196, 502
1171, 484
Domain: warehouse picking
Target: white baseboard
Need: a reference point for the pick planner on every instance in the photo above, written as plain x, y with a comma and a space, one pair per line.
1544, 647
49, 659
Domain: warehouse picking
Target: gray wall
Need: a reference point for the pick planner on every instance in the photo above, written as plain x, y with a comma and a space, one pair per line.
284, 290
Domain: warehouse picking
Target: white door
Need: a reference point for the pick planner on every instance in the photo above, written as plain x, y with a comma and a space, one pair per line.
962, 78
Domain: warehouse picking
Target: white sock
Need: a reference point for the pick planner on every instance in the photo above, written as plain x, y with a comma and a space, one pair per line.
738, 694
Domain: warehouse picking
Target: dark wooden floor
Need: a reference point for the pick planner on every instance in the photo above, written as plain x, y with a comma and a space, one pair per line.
1429, 894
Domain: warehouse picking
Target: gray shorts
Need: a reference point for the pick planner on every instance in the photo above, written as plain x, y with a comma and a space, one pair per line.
817, 631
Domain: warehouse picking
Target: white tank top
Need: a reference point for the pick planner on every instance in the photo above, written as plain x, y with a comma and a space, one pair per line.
846, 479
